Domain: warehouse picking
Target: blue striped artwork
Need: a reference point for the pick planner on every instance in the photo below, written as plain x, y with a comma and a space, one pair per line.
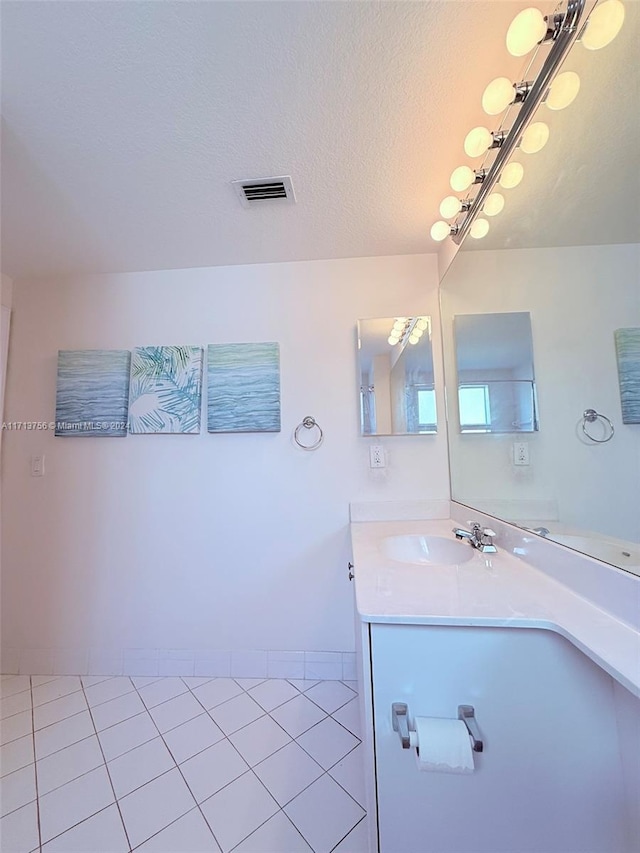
244, 387
165, 390
628, 354
92, 392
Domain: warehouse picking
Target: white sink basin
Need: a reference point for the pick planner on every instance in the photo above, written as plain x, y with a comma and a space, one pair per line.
426, 550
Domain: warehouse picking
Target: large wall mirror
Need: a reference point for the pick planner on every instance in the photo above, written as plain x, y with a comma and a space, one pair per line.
565, 252
395, 372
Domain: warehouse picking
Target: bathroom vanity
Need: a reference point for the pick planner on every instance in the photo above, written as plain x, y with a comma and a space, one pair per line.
552, 675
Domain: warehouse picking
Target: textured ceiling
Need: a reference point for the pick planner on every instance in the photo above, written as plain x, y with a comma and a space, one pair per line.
124, 123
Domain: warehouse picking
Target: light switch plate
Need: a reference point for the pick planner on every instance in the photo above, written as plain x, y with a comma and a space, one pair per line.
37, 466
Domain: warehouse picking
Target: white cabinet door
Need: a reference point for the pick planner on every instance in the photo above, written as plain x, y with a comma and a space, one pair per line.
549, 779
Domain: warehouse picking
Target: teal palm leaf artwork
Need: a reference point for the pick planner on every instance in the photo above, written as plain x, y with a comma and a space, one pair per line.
165, 390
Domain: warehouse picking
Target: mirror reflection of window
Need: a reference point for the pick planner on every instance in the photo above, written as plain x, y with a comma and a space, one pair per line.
421, 409
496, 382
395, 364
475, 408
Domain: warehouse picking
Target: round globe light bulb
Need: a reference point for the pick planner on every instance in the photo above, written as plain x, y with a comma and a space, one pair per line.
450, 207
564, 90
392, 341
535, 137
526, 30
494, 204
479, 229
462, 178
413, 339
440, 230
511, 175
477, 142
399, 325
422, 324
497, 96
418, 332
604, 24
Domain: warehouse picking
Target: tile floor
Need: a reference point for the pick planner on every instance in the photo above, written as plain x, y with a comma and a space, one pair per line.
179, 765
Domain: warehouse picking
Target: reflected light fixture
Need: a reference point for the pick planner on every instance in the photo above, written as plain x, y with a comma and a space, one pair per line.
479, 229
494, 204
420, 326
409, 329
604, 24
511, 176
558, 32
534, 138
564, 90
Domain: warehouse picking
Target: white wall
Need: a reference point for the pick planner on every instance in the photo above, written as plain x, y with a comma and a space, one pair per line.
6, 295
6, 290
210, 542
577, 298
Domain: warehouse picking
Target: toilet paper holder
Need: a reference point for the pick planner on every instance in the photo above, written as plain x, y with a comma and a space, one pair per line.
466, 713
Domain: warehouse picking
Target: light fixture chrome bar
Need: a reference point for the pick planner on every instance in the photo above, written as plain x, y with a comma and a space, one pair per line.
566, 34
554, 27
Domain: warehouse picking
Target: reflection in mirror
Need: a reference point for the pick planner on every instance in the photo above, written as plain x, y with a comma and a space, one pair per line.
565, 249
494, 365
395, 370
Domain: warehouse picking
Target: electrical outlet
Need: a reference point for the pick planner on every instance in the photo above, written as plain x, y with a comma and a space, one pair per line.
520, 453
376, 456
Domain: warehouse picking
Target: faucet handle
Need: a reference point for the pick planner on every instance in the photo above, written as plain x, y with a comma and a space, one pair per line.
488, 531
474, 525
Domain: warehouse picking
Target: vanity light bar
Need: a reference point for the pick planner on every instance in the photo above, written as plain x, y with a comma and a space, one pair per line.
565, 33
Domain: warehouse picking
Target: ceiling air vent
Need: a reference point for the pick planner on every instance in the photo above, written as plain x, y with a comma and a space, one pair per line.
253, 192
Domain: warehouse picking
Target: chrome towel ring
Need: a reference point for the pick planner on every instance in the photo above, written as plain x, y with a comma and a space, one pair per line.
589, 416
308, 423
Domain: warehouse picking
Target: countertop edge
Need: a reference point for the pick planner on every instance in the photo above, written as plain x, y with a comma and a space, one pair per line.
613, 645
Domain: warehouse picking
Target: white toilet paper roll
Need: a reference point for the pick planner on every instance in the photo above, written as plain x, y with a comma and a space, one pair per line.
442, 746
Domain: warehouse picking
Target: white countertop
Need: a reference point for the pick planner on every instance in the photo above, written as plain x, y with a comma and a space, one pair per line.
498, 590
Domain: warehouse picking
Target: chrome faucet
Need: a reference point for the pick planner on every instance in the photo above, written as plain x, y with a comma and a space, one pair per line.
478, 537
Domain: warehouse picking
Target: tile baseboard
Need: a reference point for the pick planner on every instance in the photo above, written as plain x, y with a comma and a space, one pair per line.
212, 663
